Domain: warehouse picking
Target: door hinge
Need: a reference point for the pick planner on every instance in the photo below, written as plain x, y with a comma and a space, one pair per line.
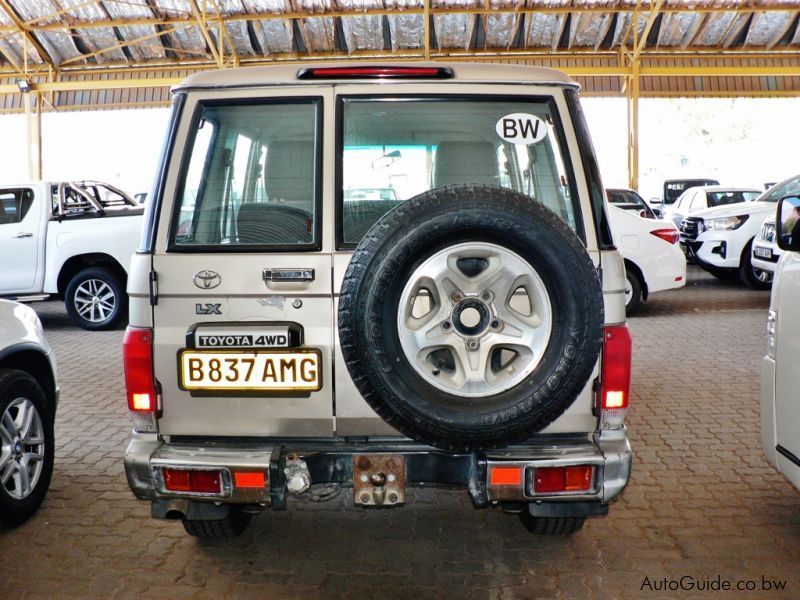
153, 277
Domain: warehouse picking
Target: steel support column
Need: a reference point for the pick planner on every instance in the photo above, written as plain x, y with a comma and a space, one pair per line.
632, 102
33, 133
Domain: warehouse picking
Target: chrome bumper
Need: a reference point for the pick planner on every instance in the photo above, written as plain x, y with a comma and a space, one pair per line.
331, 462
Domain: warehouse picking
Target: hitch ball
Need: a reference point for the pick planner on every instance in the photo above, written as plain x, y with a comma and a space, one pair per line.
298, 479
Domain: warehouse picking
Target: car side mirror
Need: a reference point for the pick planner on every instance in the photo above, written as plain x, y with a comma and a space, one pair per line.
787, 223
655, 201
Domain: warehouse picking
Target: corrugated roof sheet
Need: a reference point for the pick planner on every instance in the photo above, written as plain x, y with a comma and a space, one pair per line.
76, 37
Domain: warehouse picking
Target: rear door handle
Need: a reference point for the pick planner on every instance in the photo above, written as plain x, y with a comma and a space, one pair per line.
288, 275
23, 234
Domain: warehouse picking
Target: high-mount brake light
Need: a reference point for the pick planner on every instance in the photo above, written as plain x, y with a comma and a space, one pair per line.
366, 72
668, 235
615, 377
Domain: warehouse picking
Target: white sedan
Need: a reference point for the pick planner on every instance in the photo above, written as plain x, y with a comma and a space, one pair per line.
653, 260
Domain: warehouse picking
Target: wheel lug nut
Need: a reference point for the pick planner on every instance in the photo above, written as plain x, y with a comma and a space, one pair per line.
446, 325
456, 296
473, 344
486, 295
495, 324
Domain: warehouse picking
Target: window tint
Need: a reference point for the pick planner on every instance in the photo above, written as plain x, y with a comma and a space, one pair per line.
394, 150
784, 188
14, 205
250, 178
730, 197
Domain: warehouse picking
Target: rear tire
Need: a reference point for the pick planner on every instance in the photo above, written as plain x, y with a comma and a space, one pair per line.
753, 278
633, 292
231, 526
551, 525
95, 299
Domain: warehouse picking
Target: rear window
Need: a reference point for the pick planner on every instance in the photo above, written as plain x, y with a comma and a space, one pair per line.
394, 149
250, 179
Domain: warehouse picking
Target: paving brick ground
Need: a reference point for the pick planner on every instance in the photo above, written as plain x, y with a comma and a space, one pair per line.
702, 503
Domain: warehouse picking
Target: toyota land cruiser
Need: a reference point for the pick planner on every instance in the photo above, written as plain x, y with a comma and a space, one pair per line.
465, 327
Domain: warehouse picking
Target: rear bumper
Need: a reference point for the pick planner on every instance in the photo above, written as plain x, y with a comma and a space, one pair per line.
333, 462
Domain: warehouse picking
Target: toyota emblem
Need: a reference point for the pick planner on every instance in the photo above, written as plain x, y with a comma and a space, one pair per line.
207, 280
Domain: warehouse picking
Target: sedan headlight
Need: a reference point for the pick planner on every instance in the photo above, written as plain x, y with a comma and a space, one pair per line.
772, 342
725, 223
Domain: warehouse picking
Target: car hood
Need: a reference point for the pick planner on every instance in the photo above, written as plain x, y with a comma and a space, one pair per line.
736, 210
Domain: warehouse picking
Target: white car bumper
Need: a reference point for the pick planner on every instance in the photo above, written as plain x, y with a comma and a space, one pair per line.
765, 255
721, 249
666, 270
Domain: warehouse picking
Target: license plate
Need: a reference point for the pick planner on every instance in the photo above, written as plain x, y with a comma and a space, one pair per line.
228, 371
762, 252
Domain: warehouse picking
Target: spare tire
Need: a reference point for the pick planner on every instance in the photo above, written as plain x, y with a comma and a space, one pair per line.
470, 317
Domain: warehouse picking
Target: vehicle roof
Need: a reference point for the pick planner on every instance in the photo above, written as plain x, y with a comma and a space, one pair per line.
687, 179
287, 74
726, 188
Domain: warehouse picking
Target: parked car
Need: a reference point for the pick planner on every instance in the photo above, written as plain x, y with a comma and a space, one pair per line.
672, 190
72, 240
630, 200
720, 239
765, 248
429, 353
28, 401
696, 199
653, 260
780, 377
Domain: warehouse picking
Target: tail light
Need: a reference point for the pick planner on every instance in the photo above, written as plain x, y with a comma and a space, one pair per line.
670, 236
615, 376
553, 480
140, 381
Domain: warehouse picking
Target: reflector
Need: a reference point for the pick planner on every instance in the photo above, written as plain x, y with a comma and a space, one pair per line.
505, 476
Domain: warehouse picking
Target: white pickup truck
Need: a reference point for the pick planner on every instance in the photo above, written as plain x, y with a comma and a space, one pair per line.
70, 240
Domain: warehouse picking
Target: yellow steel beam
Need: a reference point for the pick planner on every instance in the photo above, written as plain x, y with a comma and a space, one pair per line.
225, 34
29, 37
200, 19
655, 7
573, 70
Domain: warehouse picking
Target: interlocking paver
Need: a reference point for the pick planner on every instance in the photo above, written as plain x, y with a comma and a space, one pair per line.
702, 501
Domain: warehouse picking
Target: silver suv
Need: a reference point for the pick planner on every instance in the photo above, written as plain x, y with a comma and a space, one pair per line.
28, 400
293, 334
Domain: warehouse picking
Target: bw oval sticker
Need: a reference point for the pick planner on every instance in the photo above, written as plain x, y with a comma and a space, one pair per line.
521, 128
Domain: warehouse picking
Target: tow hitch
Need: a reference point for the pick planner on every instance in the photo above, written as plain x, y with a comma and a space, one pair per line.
379, 479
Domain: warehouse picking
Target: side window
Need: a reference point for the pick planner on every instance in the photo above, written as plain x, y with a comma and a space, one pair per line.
251, 178
394, 149
699, 201
14, 205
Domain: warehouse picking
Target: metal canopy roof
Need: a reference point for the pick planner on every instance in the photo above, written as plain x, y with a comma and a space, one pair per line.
82, 50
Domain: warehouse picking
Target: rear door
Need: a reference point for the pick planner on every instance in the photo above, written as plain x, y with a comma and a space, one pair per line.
243, 322
395, 142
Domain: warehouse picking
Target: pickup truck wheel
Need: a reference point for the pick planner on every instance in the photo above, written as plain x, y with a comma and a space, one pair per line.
26, 446
633, 292
551, 525
470, 317
95, 299
231, 526
750, 276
